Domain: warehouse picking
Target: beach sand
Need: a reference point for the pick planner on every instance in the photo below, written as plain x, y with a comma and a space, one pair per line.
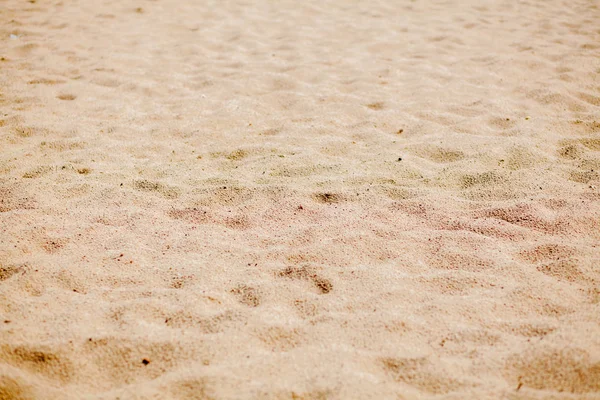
299, 200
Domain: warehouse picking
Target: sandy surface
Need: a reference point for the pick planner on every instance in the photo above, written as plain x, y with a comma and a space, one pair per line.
299, 200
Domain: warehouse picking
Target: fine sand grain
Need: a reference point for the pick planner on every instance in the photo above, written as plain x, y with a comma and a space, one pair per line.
299, 199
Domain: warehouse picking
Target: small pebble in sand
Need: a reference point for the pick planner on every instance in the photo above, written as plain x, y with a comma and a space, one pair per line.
399, 158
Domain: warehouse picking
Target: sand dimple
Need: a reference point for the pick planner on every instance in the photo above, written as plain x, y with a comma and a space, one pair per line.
206, 324
13, 389
592, 144
327, 197
226, 195
7, 271
378, 105
305, 273
191, 389
567, 370
306, 308
45, 81
66, 96
531, 330
237, 222
482, 179
38, 171
247, 295
13, 197
529, 216
166, 191
127, 361
421, 373
571, 150
584, 176
555, 260
237, 155
440, 154
452, 286
563, 269
38, 360
192, 215
53, 245
280, 339
547, 252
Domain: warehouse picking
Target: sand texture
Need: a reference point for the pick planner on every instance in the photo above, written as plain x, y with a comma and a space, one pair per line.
299, 199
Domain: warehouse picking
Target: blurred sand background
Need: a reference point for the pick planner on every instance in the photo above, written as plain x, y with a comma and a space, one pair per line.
299, 200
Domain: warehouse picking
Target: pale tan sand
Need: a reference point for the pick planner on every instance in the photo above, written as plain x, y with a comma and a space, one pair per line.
215, 188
